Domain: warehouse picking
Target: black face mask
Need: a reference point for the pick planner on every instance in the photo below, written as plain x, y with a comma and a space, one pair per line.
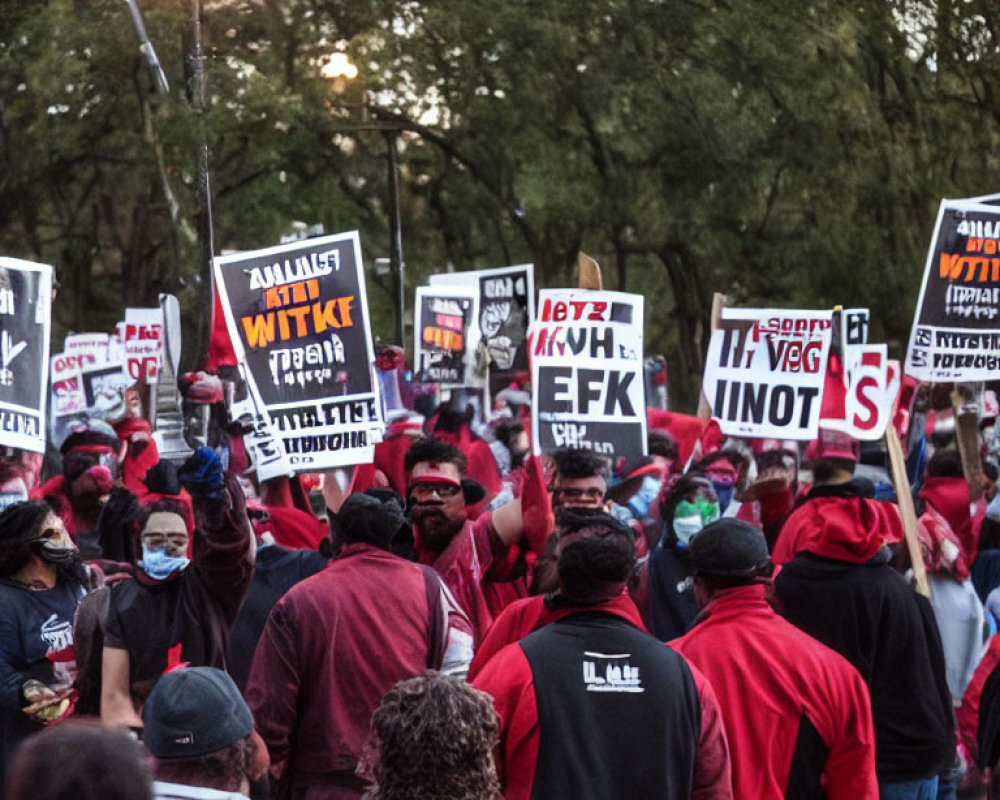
55, 554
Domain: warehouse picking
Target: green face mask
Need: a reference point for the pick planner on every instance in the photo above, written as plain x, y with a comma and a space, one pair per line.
708, 510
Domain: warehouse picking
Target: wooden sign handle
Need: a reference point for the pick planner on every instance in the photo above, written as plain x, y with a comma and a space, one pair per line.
897, 465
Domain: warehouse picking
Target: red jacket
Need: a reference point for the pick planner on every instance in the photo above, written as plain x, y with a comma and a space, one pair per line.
770, 676
529, 614
508, 679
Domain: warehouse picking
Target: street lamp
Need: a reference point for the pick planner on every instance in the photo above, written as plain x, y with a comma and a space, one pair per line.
339, 69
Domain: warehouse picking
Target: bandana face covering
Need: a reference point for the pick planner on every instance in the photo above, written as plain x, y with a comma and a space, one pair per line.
159, 566
689, 518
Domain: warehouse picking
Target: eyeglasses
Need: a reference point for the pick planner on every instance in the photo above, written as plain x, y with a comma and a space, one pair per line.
427, 488
592, 493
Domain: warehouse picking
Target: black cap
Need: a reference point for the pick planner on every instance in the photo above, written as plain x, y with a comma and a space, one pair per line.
192, 712
729, 548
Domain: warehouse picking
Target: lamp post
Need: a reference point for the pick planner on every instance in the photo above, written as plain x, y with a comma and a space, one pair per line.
206, 234
340, 71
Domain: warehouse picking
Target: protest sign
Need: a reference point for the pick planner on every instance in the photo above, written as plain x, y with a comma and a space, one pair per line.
506, 309
765, 371
444, 317
142, 341
867, 405
297, 315
587, 373
955, 334
25, 318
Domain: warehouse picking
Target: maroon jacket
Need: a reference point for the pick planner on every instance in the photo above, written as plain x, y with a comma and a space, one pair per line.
331, 648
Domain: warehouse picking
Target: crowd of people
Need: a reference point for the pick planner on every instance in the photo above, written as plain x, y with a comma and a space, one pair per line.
462, 619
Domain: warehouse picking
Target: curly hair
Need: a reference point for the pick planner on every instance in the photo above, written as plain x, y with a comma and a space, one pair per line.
574, 462
432, 737
427, 448
224, 769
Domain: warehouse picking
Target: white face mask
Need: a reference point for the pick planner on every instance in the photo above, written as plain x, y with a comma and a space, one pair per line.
686, 527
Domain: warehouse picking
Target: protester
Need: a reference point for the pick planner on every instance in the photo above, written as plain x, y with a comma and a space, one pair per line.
478, 561
188, 585
840, 588
640, 723
340, 639
202, 737
89, 468
665, 594
957, 609
80, 761
276, 570
41, 584
797, 714
531, 613
579, 480
432, 738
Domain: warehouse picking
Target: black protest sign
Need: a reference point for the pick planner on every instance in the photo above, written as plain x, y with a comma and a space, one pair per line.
506, 308
955, 333
765, 371
25, 315
298, 318
587, 373
445, 315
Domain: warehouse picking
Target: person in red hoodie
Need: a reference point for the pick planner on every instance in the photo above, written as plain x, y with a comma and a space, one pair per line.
89, 468
798, 716
840, 588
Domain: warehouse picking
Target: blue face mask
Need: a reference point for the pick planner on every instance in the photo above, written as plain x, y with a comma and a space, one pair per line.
640, 502
158, 565
724, 491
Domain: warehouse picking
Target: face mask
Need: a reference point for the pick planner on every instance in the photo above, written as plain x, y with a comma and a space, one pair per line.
724, 491
158, 565
689, 518
57, 551
640, 502
685, 529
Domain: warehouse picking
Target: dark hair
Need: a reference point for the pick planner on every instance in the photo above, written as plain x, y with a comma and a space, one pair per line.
224, 769
373, 517
575, 462
433, 738
571, 520
79, 760
687, 483
162, 505
989, 535
945, 464
590, 565
19, 526
661, 443
427, 448
990, 470
824, 470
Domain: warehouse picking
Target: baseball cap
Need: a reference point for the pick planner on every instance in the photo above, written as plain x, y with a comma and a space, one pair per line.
194, 711
831, 444
729, 548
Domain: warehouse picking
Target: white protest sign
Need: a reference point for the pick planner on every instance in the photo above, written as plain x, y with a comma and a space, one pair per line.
587, 372
872, 386
142, 339
765, 371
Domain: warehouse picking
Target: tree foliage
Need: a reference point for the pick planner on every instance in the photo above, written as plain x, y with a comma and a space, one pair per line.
782, 154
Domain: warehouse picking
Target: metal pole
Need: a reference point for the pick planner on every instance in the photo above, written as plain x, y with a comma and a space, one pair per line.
206, 239
396, 263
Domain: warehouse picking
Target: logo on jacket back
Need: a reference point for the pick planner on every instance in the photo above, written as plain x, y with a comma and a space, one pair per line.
610, 673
